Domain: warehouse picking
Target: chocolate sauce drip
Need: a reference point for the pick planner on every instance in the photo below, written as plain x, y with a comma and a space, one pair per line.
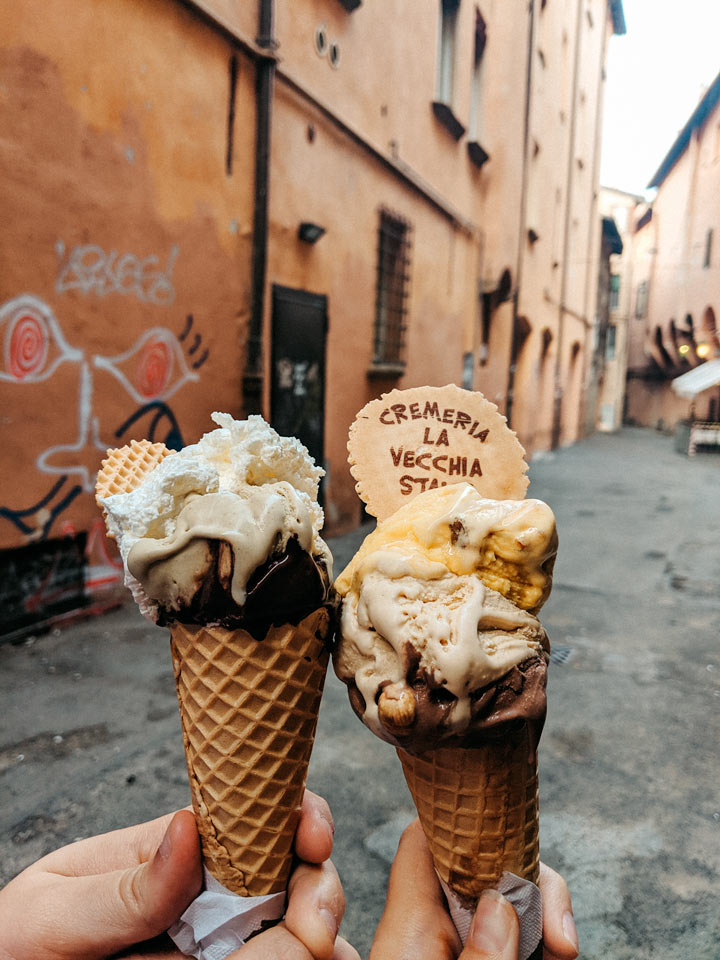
284, 589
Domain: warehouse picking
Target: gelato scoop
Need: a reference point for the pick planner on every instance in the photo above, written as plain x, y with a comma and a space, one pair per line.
226, 531
440, 643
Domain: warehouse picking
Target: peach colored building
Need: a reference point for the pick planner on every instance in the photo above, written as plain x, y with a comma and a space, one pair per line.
286, 207
677, 276
559, 241
618, 209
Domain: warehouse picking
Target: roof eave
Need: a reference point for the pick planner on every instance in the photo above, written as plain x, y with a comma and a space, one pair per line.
697, 118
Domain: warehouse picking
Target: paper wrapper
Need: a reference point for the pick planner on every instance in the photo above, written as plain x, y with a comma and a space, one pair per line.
525, 897
219, 921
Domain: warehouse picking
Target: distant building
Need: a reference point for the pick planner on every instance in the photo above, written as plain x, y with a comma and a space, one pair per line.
677, 279
614, 305
286, 207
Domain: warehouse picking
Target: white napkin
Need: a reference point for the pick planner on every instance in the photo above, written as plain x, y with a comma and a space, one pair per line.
219, 921
522, 894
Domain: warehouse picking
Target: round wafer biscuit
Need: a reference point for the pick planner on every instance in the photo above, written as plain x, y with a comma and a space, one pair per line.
125, 469
409, 441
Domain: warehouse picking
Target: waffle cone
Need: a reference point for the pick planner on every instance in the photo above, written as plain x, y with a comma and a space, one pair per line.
479, 811
249, 711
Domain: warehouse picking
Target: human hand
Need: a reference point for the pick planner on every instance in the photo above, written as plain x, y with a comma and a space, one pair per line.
416, 924
116, 894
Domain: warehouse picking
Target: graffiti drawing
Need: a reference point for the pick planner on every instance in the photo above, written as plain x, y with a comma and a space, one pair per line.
89, 269
153, 367
151, 371
161, 426
33, 343
196, 343
44, 511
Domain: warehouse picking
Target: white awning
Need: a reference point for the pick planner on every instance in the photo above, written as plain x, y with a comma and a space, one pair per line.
701, 378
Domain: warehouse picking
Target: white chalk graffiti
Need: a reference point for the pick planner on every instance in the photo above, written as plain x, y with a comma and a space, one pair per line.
67, 458
156, 363
89, 269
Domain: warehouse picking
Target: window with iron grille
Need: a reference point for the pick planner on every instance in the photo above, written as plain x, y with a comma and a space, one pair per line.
393, 285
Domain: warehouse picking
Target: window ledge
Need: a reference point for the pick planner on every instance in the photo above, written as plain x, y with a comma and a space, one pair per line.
443, 112
477, 153
377, 370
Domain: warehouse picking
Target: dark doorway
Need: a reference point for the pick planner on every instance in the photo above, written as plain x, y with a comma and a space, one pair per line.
297, 392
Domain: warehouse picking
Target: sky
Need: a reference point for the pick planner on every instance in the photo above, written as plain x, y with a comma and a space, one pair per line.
656, 74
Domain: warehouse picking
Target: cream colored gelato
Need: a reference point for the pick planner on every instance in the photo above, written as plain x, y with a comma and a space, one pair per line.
438, 605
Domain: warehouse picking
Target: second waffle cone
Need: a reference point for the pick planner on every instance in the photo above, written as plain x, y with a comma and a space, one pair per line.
479, 811
249, 711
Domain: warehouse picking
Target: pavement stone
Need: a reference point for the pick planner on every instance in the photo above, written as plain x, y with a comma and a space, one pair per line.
630, 769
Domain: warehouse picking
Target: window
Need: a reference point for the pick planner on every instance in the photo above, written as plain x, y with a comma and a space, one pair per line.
614, 291
393, 282
448, 45
610, 342
478, 154
479, 50
708, 249
641, 298
447, 54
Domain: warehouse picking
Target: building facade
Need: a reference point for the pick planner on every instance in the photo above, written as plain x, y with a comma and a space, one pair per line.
285, 207
677, 276
615, 296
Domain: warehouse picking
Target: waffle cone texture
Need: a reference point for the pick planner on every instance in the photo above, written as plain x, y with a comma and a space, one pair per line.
249, 712
479, 811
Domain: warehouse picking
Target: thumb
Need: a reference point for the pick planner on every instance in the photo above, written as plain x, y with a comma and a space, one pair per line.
494, 932
123, 907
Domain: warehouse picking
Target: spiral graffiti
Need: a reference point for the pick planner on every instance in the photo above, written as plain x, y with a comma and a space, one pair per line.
27, 346
154, 368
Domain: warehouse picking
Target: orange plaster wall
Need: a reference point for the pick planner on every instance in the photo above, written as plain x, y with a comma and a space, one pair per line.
385, 82
329, 181
125, 245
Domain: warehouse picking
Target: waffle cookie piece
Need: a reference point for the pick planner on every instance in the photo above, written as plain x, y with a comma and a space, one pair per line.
125, 469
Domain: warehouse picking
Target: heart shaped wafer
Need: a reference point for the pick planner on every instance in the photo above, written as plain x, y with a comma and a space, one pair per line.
125, 469
409, 441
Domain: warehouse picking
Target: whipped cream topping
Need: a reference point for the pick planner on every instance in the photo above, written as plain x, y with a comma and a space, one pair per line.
241, 483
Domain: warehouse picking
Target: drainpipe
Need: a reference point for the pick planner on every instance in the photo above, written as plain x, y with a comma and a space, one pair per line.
515, 342
264, 82
557, 409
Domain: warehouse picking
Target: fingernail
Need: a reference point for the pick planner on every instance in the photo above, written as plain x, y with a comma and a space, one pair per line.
328, 818
166, 846
330, 921
570, 930
491, 926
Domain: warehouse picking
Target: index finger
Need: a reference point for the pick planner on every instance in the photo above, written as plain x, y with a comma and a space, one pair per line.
415, 922
314, 836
